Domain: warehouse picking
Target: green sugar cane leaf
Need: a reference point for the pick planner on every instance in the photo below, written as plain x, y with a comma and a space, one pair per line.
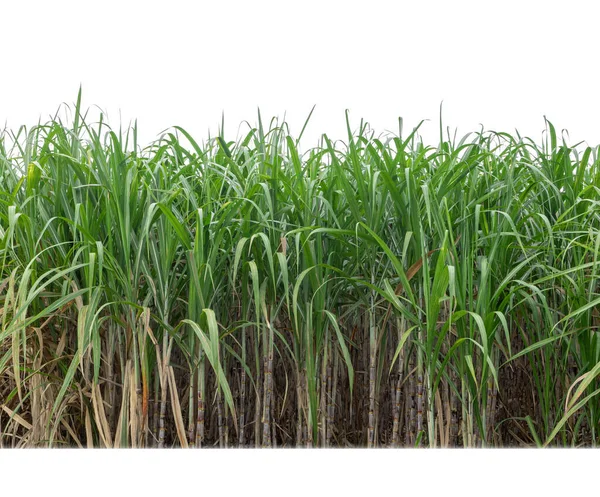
284, 276
441, 280
66, 384
269, 254
238, 255
344, 348
295, 293
471, 368
533, 431
401, 343
568, 415
81, 330
97, 353
177, 226
587, 379
540, 344
210, 349
224, 147
256, 290
393, 259
46, 311
590, 305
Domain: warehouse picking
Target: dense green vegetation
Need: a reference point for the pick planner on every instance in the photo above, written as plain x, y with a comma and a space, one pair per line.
367, 292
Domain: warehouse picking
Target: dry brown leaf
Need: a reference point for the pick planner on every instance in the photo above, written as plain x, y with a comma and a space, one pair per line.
177, 409
17, 418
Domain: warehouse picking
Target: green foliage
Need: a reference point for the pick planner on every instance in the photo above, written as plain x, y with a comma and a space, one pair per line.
374, 292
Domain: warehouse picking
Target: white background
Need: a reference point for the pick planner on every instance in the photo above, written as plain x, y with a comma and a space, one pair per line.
502, 64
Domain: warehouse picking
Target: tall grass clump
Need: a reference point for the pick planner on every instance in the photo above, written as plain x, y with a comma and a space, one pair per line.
372, 292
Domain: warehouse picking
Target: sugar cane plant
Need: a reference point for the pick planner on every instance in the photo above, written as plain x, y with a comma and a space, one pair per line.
371, 291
